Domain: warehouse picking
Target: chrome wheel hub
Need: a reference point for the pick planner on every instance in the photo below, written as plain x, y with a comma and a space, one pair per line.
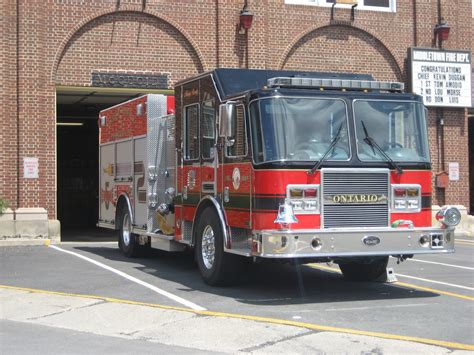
126, 229
208, 248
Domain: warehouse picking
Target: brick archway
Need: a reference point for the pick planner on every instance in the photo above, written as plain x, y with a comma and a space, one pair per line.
341, 48
128, 41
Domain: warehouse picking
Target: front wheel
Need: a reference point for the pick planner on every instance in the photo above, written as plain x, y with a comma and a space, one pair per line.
217, 268
364, 269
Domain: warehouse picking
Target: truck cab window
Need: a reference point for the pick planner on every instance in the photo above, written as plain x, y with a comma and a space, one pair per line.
239, 145
191, 129
399, 128
208, 128
299, 129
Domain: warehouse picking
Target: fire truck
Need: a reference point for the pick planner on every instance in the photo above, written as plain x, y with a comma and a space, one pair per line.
261, 164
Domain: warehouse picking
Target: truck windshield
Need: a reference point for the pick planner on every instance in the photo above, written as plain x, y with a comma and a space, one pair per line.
398, 128
298, 129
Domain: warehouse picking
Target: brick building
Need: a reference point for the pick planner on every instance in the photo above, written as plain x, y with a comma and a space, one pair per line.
64, 60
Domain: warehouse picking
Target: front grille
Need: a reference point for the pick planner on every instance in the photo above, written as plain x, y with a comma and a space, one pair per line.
355, 198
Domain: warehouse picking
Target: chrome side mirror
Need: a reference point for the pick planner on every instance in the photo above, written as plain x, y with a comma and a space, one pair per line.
227, 119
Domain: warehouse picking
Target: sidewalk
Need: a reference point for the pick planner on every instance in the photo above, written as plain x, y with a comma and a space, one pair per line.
196, 330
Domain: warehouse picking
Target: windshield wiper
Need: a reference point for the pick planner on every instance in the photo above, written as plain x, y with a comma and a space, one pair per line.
330, 148
371, 142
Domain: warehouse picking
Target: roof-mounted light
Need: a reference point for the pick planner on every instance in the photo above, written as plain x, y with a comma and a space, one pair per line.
335, 84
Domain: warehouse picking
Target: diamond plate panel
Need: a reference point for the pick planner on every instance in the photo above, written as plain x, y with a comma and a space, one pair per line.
187, 231
241, 240
158, 146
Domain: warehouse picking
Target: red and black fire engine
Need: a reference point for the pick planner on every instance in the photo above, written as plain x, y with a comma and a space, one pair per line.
287, 165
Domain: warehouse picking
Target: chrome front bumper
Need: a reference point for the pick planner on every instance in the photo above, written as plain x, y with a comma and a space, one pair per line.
351, 242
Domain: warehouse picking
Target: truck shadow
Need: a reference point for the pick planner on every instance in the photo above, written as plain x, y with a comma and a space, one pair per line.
263, 284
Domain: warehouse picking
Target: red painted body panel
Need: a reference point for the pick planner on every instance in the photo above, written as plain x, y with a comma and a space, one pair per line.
170, 103
264, 220
275, 181
178, 233
422, 178
237, 177
264, 187
245, 171
122, 121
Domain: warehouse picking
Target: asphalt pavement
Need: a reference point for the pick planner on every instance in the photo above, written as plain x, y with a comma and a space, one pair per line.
89, 290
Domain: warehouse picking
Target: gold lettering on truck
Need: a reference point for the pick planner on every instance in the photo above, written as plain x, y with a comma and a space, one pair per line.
356, 198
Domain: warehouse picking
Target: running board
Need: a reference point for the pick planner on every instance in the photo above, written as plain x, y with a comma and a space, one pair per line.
165, 242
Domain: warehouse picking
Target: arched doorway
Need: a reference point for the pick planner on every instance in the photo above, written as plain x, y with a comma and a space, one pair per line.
110, 59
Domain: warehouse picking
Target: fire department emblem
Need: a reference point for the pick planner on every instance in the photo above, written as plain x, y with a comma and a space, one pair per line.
236, 178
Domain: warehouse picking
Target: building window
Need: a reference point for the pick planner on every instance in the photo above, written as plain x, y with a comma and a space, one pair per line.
376, 5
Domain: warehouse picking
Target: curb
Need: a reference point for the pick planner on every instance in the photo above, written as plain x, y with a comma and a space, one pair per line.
14, 242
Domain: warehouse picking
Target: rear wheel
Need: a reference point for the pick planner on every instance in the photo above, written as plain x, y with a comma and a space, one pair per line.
127, 240
217, 268
364, 269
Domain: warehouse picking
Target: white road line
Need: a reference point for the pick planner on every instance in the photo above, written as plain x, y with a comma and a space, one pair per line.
465, 243
302, 311
401, 275
443, 264
379, 307
88, 242
465, 240
134, 279
434, 282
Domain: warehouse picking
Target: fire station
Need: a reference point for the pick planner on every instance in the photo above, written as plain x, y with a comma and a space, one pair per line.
65, 61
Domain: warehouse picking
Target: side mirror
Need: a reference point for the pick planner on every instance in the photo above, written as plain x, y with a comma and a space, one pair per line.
227, 119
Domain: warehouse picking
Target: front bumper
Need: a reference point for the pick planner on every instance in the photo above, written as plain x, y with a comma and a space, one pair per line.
333, 243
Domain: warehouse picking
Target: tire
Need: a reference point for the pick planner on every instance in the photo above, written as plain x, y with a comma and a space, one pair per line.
217, 268
364, 269
127, 241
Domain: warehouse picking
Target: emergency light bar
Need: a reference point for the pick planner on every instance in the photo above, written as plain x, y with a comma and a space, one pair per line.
335, 84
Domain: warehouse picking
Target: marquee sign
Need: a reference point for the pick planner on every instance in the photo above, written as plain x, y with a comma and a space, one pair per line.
442, 77
123, 80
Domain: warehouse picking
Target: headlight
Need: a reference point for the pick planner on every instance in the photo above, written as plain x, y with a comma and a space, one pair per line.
449, 216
